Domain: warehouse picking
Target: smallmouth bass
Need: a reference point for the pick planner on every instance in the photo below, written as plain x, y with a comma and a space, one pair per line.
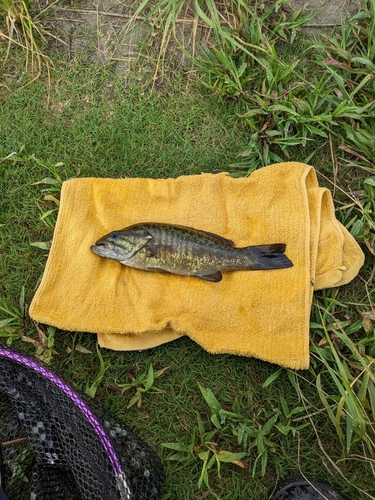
185, 251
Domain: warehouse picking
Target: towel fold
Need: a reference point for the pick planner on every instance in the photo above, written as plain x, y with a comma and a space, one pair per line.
264, 314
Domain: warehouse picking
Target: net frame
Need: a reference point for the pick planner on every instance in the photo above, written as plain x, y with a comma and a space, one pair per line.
74, 449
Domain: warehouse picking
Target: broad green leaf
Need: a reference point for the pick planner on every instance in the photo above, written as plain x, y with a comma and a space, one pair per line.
273, 133
242, 69
281, 107
363, 60
269, 424
369, 185
315, 326
82, 349
354, 327
284, 406
317, 131
150, 378
91, 390
263, 461
228, 457
254, 112
135, 399
272, 378
357, 229
292, 379
210, 399
215, 421
43, 245
5, 322
176, 446
259, 441
47, 180
49, 197
284, 429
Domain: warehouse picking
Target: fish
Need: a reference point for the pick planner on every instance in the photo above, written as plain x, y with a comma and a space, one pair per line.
185, 251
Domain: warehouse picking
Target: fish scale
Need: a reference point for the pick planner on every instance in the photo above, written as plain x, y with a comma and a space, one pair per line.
186, 251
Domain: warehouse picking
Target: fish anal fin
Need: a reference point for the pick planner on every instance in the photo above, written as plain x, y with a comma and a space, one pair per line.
214, 277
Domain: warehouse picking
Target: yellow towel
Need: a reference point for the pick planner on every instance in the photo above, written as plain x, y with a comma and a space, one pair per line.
264, 314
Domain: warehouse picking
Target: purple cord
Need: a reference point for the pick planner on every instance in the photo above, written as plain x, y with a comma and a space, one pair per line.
77, 400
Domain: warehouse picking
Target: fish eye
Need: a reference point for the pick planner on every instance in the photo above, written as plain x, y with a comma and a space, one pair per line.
113, 235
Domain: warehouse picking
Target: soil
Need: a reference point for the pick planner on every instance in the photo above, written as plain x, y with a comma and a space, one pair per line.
332, 11
99, 28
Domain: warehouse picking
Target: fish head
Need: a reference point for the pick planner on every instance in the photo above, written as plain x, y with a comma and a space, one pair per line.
121, 245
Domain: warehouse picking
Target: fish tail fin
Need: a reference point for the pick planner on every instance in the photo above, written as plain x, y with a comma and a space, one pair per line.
269, 256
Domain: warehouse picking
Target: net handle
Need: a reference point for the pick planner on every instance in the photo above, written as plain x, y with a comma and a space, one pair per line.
3, 495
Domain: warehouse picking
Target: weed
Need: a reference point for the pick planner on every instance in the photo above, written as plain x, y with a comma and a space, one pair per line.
24, 32
142, 384
227, 23
358, 215
52, 189
91, 389
207, 451
254, 433
11, 326
285, 109
45, 345
351, 373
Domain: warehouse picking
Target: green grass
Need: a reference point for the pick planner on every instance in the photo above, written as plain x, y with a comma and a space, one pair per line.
205, 407
323, 92
97, 126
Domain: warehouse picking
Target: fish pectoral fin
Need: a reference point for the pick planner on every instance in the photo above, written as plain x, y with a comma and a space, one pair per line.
158, 250
214, 277
151, 250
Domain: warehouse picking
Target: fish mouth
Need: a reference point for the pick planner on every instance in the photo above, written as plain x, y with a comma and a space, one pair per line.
100, 244
103, 248
99, 247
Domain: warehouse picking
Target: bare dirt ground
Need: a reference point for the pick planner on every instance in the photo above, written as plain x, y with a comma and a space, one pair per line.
98, 28
332, 11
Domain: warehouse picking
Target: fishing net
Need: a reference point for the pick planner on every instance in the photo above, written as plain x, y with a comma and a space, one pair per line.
57, 446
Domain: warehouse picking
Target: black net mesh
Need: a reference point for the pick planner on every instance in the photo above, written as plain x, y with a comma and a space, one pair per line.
57, 446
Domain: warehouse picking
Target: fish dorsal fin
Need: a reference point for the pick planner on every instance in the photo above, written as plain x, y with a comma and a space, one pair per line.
212, 236
219, 239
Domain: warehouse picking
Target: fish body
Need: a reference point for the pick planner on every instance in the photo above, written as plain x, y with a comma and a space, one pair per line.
186, 251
